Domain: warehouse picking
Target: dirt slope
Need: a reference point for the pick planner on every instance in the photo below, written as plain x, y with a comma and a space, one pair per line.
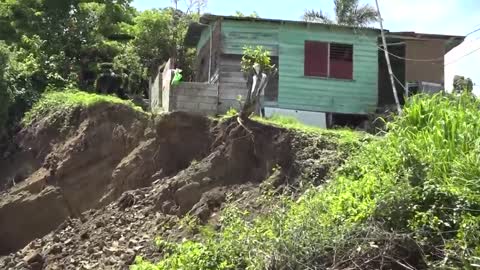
106, 150
173, 165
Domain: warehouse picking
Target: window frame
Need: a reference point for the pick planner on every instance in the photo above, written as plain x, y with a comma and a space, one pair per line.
307, 65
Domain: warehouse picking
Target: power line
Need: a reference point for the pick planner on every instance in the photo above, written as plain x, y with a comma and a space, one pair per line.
435, 59
458, 59
474, 31
411, 59
401, 84
362, 35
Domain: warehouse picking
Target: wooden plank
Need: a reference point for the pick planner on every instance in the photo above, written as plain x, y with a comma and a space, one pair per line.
232, 77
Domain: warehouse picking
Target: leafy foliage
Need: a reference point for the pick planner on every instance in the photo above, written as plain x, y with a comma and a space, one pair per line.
62, 44
461, 84
415, 191
347, 12
5, 94
257, 55
240, 14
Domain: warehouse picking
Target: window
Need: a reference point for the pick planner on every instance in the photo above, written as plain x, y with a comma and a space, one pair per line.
329, 60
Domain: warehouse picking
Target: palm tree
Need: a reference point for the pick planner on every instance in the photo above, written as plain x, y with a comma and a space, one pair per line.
347, 12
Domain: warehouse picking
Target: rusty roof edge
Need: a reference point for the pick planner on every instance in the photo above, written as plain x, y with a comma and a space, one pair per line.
451, 41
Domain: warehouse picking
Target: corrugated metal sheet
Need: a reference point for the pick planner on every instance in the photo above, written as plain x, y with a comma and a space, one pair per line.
296, 91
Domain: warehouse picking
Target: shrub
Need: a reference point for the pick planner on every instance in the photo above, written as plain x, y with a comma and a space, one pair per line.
5, 94
252, 55
53, 101
410, 199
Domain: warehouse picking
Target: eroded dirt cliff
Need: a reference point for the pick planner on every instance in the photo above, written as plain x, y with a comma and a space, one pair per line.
95, 194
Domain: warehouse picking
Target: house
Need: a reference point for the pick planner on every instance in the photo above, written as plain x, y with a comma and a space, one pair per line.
326, 72
415, 58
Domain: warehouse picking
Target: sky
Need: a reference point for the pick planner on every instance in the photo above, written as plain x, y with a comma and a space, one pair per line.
452, 17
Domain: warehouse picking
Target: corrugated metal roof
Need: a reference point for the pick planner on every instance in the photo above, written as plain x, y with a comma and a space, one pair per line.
195, 29
207, 18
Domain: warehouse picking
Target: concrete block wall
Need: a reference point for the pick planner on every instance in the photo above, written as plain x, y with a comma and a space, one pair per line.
200, 98
156, 93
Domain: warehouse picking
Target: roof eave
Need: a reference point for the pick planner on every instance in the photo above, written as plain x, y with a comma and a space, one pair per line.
194, 33
451, 41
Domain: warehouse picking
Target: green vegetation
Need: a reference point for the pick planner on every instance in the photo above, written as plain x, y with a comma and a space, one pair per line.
240, 14
5, 94
415, 189
256, 55
68, 100
346, 140
347, 12
294, 124
461, 84
62, 45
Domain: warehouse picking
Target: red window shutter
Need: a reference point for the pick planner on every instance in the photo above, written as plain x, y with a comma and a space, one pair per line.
341, 61
316, 59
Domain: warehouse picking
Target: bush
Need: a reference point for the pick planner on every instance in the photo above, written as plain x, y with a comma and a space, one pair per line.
409, 199
5, 94
259, 55
65, 101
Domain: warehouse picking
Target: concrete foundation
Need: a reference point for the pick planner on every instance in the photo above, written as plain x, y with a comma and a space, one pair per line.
317, 119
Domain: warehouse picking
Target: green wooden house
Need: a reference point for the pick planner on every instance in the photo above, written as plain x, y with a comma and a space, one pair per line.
324, 70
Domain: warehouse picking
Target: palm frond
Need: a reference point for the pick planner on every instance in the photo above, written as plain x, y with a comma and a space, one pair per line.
365, 15
344, 10
316, 16
350, 12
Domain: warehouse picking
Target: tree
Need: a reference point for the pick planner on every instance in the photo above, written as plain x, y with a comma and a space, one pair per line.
347, 12
257, 67
461, 84
239, 14
5, 94
159, 35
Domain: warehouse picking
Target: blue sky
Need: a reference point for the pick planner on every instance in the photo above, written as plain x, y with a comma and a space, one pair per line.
455, 17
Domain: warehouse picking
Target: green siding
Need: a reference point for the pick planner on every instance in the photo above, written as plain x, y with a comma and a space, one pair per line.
237, 34
358, 96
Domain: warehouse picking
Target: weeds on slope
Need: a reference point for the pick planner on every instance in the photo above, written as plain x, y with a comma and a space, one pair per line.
410, 200
66, 100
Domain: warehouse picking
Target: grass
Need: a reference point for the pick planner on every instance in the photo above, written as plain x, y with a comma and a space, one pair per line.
417, 188
343, 135
67, 100
346, 139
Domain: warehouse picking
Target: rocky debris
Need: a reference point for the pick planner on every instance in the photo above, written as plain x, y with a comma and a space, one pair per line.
236, 166
104, 151
34, 261
111, 237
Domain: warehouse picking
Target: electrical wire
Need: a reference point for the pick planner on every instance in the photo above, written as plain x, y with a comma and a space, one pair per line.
401, 84
474, 31
411, 59
427, 60
463, 56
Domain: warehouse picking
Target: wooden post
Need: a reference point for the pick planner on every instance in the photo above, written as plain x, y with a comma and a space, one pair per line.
387, 57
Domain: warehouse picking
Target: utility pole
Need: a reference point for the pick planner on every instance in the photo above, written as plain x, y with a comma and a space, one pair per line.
387, 57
